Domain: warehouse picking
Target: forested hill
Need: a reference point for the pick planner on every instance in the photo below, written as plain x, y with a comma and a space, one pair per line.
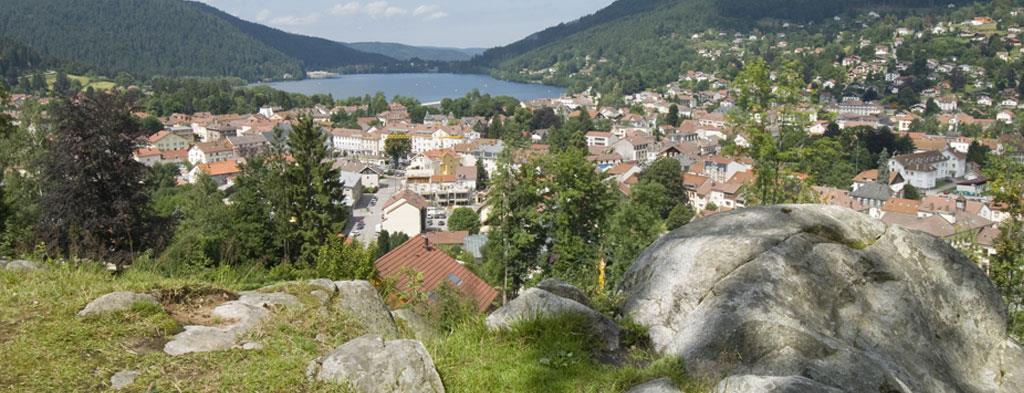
641, 38
165, 37
315, 53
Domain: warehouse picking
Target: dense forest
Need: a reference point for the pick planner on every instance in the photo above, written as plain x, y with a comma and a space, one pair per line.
168, 38
15, 60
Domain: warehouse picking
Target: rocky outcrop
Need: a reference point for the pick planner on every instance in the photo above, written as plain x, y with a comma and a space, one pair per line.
537, 303
117, 302
238, 317
663, 385
369, 364
360, 300
820, 299
563, 289
409, 322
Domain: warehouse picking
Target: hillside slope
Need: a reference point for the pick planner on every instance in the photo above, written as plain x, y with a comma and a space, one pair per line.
646, 40
168, 37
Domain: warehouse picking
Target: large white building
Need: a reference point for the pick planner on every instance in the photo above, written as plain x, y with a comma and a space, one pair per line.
924, 170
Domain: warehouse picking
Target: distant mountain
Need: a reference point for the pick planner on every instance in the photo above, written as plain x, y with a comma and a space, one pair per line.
406, 52
167, 37
315, 53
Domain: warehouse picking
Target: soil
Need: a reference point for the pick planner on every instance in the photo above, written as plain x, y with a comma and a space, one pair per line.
192, 305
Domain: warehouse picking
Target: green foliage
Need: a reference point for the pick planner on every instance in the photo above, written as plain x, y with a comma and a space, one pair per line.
476, 104
397, 147
389, 241
668, 173
341, 260
911, 192
978, 153
482, 178
315, 189
464, 219
204, 235
632, 228
218, 96
680, 215
1006, 177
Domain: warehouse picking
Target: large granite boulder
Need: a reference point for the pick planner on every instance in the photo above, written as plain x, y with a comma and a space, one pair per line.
360, 300
661, 385
821, 298
535, 303
117, 302
369, 364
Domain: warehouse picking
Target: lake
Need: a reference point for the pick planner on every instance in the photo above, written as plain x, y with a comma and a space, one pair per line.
425, 87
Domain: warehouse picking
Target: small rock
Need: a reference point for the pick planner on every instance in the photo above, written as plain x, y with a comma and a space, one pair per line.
537, 303
408, 319
321, 295
21, 264
116, 302
200, 339
564, 289
281, 299
371, 365
361, 301
662, 385
123, 379
769, 384
251, 346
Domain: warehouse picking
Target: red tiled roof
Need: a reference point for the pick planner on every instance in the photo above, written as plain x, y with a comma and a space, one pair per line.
436, 268
446, 238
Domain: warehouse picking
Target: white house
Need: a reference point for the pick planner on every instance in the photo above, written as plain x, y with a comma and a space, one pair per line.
205, 153
599, 138
633, 147
406, 212
924, 170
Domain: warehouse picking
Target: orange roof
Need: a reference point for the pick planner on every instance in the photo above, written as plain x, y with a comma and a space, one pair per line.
437, 268
220, 168
900, 205
147, 152
446, 238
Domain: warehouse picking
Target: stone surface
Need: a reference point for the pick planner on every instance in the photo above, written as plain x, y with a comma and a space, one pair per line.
537, 303
324, 284
826, 294
408, 319
369, 364
663, 385
564, 289
116, 302
360, 300
763, 384
20, 264
123, 379
274, 299
238, 318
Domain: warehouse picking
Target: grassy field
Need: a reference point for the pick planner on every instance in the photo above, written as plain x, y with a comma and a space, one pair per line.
46, 348
86, 82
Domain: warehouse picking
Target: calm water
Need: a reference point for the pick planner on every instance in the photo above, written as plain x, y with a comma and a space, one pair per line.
424, 87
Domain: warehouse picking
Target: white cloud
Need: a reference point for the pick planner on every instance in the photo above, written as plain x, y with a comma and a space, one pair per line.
294, 20
263, 15
425, 9
378, 9
436, 15
346, 9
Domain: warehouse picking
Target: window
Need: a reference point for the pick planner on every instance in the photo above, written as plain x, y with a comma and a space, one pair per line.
455, 280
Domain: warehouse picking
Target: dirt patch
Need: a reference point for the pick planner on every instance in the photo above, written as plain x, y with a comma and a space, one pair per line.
192, 305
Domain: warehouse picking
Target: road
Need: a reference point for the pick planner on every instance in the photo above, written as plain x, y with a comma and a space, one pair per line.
368, 215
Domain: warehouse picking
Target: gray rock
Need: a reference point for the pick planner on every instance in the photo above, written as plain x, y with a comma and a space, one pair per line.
239, 318
823, 293
116, 302
20, 264
123, 379
359, 300
201, 339
324, 284
537, 303
369, 364
414, 323
663, 385
321, 296
762, 384
251, 346
275, 299
564, 289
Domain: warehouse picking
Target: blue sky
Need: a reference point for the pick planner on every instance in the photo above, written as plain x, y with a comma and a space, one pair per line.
458, 23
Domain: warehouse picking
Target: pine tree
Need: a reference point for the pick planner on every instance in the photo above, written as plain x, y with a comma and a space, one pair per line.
315, 190
482, 178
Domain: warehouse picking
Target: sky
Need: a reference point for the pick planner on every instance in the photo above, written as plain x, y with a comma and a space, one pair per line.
451, 23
